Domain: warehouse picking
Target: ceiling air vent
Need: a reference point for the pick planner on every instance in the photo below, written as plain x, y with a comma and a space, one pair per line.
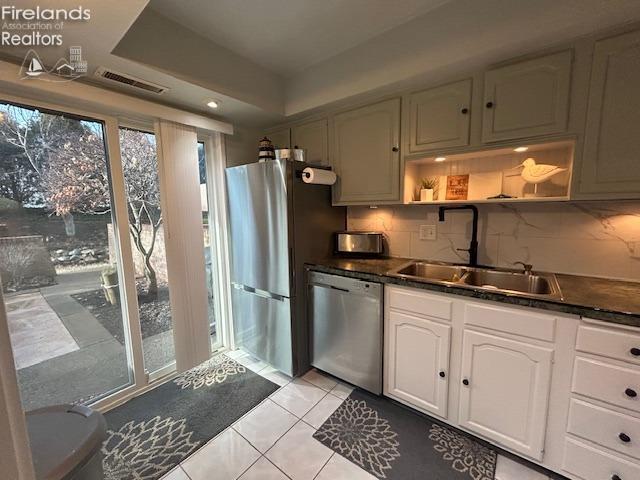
125, 79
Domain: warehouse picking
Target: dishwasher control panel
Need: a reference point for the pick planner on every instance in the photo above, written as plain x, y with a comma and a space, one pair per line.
346, 284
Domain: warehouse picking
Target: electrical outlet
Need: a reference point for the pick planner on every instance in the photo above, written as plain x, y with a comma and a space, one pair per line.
635, 250
428, 232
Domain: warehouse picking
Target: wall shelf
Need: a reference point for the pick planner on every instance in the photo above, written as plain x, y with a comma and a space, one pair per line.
492, 200
488, 173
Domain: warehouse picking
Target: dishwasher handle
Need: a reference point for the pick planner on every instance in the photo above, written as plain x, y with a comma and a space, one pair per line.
335, 288
345, 285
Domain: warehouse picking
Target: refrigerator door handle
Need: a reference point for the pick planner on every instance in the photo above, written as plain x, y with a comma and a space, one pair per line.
293, 271
258, 292
273, 296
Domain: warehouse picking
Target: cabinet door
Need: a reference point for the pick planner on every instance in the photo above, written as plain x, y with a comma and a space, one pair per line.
611, 158
527, 99
365, 154
507, 394
280, 138
439, 117
312, 137
417, 362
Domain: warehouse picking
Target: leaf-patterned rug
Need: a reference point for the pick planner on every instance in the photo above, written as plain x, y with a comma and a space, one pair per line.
391, 442
152, 433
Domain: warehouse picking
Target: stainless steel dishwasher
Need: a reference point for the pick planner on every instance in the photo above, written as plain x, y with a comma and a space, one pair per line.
346, 329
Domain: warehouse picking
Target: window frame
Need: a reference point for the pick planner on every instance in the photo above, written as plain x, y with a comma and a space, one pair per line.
124, 260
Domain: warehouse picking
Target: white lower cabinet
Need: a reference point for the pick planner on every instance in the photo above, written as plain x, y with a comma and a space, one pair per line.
417, 361
480, 366
505, 391
589, 463
557, 390
603, 428
616, 431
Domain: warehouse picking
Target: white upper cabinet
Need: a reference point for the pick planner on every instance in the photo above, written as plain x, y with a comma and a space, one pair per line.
439, 117
417, 362
527, 99
365, 154
280, 138
611, 157
312, 137
505, 391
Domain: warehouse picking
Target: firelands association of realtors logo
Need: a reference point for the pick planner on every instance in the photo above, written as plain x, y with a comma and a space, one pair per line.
41, 28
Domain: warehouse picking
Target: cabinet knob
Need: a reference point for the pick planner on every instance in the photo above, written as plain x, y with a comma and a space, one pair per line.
464, 111
615, 477
631, 393
635, 352
442, 374
624, 437
489, 105
395, 149
465, 382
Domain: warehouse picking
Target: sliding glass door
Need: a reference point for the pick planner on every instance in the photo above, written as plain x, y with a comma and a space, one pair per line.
142, 186
211, 261
83, 261
59, 261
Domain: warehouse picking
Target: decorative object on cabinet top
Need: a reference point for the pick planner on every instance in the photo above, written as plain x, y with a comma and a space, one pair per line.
266, 150
612, 301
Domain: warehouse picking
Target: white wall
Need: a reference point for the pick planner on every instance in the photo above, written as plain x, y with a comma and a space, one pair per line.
597, 239
242, 146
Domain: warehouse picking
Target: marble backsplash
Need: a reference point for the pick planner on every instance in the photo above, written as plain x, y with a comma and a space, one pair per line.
592, 238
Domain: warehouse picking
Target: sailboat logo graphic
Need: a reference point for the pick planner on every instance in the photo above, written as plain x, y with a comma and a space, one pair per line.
63, 71
32, 65
35, 68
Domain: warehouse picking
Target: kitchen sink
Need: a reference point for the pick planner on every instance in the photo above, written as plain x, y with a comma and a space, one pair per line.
533, 284
443, 273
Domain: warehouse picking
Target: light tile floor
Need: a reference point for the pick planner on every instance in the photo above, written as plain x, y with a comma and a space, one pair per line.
274, 441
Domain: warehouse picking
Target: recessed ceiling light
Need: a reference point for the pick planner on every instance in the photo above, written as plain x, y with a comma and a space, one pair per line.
520, 149
213, 104
440, 159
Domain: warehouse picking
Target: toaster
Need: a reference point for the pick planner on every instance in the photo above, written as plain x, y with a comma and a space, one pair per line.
362, 243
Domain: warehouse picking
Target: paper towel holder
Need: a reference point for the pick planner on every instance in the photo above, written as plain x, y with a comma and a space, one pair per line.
302, 173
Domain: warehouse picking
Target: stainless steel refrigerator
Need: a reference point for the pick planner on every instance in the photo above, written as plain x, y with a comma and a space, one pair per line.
277, 223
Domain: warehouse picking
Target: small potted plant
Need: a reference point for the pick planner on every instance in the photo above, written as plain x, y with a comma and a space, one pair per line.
428, 185
110, 284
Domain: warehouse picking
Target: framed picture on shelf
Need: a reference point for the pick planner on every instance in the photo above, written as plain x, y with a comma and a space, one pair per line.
457, 187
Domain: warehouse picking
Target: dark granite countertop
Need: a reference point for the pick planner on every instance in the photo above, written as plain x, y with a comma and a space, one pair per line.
598, 298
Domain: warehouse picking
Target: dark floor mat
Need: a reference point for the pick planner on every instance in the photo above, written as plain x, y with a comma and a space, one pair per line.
389, 441
154, 432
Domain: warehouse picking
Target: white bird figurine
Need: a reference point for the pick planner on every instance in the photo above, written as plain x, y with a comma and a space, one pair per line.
536, 174
533, 173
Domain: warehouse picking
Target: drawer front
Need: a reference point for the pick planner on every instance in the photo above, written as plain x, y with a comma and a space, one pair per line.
608, 383
592, 464
511, 320
609, 342
605, 427
416, 301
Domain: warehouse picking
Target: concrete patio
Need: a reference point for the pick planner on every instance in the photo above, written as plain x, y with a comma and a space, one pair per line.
62, 353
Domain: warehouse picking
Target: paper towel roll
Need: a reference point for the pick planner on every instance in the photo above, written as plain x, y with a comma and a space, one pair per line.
318, 176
